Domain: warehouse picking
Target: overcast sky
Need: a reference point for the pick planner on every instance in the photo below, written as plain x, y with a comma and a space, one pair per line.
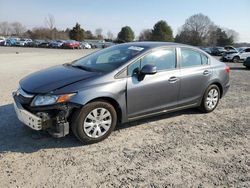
139, 14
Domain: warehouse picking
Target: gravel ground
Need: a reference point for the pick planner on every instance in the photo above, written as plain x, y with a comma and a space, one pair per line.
182, 149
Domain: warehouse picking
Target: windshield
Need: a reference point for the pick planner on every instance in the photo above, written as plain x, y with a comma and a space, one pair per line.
110, 58
240, 49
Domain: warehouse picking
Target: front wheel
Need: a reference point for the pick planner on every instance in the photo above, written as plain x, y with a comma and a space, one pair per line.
94, 122
210, 99
236, 59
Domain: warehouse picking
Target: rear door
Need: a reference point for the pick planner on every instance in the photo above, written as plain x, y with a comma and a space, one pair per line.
154, 92
195, 75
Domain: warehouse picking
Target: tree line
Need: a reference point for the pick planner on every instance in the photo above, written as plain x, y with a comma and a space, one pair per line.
197, 30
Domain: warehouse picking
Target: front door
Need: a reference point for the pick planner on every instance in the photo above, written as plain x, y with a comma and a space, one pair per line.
154, 92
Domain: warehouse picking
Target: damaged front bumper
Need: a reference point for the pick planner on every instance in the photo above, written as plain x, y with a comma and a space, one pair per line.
53, 118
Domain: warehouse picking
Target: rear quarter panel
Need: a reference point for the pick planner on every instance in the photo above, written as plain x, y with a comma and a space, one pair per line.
220, 75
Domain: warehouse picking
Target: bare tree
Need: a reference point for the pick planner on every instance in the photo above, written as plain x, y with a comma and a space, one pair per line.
145, 35
98, 33
5, 28
232, 33
17, 28
212, 37
110, 35
50, 23
196, 30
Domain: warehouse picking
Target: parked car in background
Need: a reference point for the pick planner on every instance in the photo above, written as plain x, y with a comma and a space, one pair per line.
71, 44
44, 44
8, 42
23, 42
2, 41
11, 42
56, 44
108, 44
230, 49
35, 43
85, 45
217, 51
119, 84
246, 63
240, 55
206, 49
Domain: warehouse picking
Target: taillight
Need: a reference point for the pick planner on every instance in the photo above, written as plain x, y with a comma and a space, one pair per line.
227, 69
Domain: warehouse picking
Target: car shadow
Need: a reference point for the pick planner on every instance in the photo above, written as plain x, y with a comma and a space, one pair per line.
16, 137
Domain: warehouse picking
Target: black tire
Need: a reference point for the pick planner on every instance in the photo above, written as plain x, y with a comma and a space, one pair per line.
204, 107
236, 59
79, 116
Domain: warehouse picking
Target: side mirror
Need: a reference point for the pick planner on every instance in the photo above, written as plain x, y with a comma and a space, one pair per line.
148, 69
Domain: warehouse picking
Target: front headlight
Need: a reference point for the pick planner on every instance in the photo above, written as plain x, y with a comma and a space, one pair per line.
42, 100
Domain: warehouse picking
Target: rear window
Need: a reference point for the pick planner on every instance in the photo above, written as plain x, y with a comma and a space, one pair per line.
190, 58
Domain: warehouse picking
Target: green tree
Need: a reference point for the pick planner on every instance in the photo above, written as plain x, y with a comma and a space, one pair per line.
76, 33
126, 34
187, 37
88, 35
162, 32
222, 38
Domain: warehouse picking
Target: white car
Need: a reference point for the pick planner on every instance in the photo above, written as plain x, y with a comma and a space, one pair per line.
23, 42
241, 55
2, 39
85, 45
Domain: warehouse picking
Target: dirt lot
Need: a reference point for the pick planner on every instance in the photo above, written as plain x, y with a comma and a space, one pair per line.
183, 149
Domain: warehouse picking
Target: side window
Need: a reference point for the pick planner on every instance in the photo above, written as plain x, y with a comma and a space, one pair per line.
204, 60
190, 58
247, 50
132, 67
163, 59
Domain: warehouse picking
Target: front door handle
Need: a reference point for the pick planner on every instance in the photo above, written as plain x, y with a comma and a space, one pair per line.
173, 79
206, 72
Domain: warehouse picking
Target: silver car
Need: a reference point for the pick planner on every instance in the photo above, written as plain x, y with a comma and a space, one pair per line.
119, 84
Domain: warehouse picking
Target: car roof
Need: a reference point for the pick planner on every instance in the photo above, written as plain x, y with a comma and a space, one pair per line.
151, 45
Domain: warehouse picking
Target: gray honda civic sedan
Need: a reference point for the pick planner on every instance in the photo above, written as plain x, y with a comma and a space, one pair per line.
118, 84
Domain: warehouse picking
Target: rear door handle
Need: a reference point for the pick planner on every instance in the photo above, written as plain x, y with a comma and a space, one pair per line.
206, 72
173, 79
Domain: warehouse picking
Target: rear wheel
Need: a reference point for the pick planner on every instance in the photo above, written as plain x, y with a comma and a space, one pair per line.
210, 99
94, 122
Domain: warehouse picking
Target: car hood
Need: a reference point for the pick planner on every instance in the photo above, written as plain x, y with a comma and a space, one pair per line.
233, 54
54, 78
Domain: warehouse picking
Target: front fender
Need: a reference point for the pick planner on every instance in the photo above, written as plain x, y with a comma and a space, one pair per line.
114, 90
